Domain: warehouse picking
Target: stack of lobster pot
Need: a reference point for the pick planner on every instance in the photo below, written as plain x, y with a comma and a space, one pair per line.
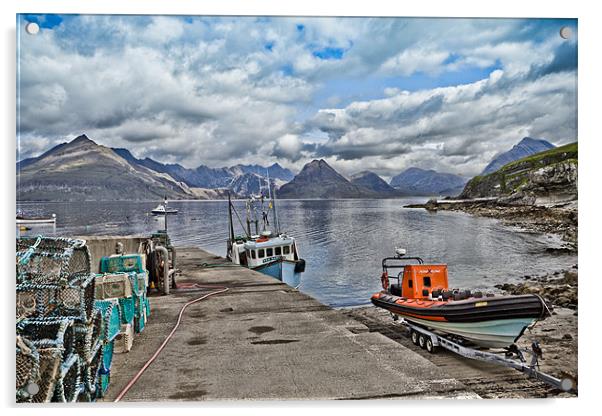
58, 329
124, 279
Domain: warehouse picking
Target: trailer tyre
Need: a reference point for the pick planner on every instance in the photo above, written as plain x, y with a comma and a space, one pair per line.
414, 337
422, 341
430, 347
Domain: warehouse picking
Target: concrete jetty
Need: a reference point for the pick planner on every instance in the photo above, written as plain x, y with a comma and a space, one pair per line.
263, 340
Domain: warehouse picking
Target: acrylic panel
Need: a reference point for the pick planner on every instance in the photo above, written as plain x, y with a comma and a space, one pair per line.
338, 208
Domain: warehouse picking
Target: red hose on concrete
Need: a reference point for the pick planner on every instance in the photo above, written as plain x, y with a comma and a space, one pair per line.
156, 354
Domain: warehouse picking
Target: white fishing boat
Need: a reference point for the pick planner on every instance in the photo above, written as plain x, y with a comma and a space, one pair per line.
27, 220
163, 209
270, 252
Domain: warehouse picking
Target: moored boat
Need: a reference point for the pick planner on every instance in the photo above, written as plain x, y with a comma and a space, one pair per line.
163, 209
421, 295
28, 220
270, 252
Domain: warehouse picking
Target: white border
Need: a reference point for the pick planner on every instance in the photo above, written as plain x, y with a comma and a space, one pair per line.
589, 120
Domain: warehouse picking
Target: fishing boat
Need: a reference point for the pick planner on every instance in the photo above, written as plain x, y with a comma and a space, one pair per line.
163, 209
260, 248
28, 220
420, 294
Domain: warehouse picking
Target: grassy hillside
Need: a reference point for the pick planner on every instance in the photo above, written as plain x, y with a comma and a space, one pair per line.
517, 175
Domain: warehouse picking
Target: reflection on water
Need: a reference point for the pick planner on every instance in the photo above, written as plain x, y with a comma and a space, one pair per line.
342, 241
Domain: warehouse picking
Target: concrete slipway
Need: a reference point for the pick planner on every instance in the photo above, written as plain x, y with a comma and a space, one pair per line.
263, 340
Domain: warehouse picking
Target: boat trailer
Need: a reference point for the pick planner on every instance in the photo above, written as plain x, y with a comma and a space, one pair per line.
513, 357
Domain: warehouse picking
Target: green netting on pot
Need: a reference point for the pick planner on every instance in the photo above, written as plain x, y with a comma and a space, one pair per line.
69, 382
104, 379
140, 322
147, 305
125, 263
51, 259
128, 309
107, 355
140, 306
111, 318
139, 282
27, 368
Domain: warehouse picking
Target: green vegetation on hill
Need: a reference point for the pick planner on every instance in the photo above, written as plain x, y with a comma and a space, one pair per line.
516, 175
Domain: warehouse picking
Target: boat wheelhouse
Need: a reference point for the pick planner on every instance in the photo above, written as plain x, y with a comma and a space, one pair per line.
267, 251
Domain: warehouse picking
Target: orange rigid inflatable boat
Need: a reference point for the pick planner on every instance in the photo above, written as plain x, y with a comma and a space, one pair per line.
420, 294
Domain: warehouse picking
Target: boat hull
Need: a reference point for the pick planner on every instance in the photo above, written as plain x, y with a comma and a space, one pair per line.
283, 270
493, 322
164, 212
26, 221
499, 333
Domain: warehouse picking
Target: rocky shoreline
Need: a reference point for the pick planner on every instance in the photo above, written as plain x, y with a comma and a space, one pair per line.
556, 219
558, 334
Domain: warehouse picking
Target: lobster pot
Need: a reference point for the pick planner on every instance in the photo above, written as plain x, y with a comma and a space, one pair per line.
124, 341
27, 368
44, 260
147, 305
57, 333
140, 321
75, 299
88, 336
51, 360
125, 263
114, 285
107, 355
91, 372
104, 379
111, 318
128, 309
69, 383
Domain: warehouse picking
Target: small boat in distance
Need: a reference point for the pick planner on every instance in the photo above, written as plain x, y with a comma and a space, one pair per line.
163, 209
27, 220
421, 296
270, 252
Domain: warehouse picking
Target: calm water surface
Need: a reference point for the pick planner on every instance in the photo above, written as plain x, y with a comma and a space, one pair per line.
342, 241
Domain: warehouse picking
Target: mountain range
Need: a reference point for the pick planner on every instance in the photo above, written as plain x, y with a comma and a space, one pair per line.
83, 170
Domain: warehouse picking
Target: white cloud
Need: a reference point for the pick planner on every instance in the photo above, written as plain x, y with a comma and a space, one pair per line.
220, 91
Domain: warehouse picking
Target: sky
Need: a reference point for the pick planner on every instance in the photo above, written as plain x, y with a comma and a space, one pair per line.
379, 94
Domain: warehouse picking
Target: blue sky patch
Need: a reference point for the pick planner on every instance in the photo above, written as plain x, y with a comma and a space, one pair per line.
329, 53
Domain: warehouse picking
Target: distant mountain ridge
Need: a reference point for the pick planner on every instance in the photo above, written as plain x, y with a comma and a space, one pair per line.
206, 177
84, 170
420, 182
526, 147
319, 180
373, 182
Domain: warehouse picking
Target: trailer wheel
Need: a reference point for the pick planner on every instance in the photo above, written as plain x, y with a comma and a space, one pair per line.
422, 341
430, 347
414, 337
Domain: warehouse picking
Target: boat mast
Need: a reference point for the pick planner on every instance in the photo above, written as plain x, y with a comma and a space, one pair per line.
276, 221
230, 223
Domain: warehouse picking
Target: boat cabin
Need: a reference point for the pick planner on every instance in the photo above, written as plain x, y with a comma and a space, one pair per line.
262, 250
413, 281
420, 280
